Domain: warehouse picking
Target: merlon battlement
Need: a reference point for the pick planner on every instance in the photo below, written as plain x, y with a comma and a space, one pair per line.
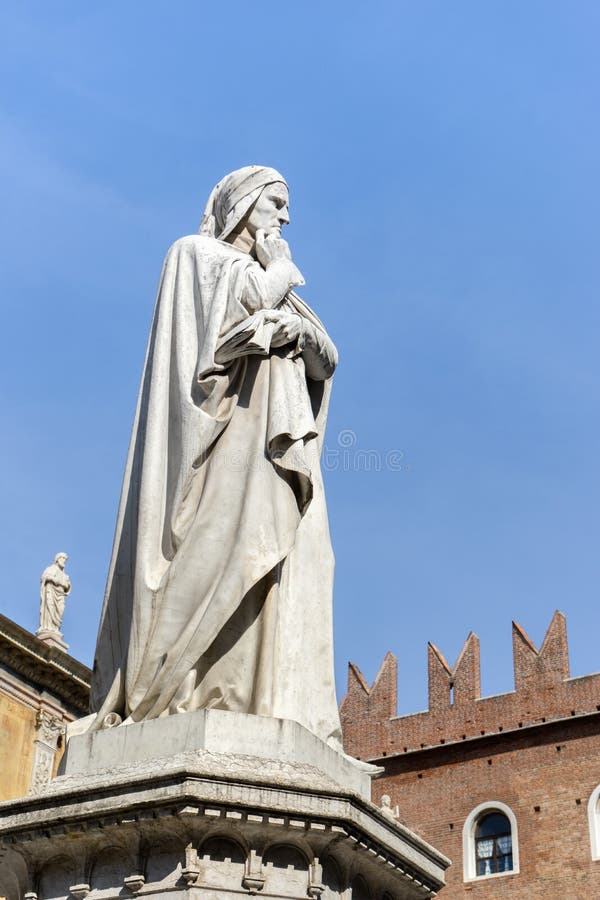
457, 712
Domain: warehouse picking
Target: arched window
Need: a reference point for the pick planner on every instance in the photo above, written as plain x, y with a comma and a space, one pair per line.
594, 822
490, 842
493, 844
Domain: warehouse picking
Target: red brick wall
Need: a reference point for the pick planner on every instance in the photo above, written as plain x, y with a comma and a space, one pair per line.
439, 766
437, 789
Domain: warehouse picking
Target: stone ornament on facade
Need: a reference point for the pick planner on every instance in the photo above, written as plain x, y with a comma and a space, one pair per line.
41, 770
254, 878
191, 869
392, 812
48, 730
315, 879
134, 883
79, 891
55, 585
48, 727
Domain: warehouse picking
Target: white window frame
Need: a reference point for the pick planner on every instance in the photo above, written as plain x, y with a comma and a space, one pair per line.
469, 849
594, 822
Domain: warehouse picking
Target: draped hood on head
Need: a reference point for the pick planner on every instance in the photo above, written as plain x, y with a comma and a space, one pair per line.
233, 196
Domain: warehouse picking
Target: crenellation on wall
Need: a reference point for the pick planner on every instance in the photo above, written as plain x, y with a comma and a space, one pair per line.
543, 692
375, 705
459, 684
439, 675
535, 749
546, 666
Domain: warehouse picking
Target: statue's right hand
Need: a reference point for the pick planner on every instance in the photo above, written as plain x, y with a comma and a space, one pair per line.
270, 247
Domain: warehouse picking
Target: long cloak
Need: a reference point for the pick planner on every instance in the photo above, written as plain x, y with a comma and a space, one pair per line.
222, 562
54, 587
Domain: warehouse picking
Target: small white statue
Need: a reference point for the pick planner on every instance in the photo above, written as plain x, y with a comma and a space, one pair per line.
387, 809
55, 584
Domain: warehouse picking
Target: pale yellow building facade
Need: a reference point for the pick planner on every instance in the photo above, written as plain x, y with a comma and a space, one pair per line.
42, 689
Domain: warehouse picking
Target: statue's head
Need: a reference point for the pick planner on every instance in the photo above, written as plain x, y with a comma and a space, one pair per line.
252, 198
61, 559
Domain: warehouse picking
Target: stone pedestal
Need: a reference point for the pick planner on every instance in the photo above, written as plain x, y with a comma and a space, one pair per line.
52, 638
209, 806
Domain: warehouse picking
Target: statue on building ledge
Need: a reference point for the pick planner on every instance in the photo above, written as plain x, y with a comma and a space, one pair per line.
55, 585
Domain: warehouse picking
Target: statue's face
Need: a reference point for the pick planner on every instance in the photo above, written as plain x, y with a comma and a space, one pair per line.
271, 210
61, 560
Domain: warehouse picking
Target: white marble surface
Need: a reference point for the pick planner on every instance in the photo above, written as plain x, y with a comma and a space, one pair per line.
55, 585
207, 826
220, 587
216, 735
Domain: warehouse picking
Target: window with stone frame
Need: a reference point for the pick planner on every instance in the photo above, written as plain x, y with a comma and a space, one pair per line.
490, 842
594, 822
493, 845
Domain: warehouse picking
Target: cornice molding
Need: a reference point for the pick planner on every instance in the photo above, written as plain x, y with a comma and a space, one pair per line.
46, 667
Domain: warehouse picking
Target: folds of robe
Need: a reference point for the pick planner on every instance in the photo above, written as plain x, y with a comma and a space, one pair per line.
220, 584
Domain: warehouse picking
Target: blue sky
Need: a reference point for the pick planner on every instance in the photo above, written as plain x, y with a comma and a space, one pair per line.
443, 167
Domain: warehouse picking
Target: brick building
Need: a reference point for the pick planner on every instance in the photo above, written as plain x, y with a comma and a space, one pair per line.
42, 689
507, 786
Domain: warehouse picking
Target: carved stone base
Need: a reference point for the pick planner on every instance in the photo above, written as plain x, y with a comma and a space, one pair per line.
206, 826
52, 638
228, 735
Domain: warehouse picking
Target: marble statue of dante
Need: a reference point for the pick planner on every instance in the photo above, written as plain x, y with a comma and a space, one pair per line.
219, 591
55, 584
